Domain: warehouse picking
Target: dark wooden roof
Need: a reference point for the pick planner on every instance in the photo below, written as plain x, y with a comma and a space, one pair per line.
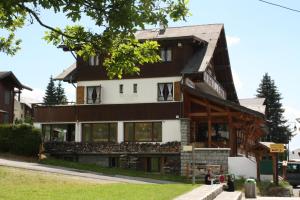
10, 76
212, 50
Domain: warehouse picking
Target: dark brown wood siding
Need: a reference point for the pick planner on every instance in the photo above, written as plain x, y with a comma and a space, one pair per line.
180, 56
7, 85
110, 112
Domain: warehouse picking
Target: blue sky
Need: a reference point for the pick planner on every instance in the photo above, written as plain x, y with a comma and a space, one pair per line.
261, 38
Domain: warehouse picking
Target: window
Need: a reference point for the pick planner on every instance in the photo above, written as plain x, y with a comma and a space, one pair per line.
165, 91
58, 132
166, 54
143, 131
99, 132
7, 97
121, 88
134, 88
93, 94
94, 60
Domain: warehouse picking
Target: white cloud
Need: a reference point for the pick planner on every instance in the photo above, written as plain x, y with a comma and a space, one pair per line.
70, 92
237, 81
232, 40
34, 96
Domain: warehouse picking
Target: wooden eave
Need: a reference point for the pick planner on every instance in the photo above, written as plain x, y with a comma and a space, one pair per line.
225, 103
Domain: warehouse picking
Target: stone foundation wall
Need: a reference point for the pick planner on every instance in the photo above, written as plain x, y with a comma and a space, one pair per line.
205, 156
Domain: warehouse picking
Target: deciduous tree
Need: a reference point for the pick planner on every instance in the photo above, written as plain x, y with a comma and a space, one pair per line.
118, 20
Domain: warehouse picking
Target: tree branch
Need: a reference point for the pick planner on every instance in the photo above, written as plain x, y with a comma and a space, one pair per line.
31, 12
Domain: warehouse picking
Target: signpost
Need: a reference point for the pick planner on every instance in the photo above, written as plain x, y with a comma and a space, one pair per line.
276, 148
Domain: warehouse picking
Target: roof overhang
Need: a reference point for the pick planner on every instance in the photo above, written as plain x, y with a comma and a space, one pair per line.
17, 83
198, 93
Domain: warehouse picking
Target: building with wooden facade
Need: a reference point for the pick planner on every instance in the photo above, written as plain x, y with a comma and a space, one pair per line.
142, 121
9, 87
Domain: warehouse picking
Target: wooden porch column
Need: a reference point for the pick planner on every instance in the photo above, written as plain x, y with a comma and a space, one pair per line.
232, 134
258, 159
209, 131
193, 131
186, 105
162, 165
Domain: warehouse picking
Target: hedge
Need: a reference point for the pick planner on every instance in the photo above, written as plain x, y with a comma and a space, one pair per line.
20, 139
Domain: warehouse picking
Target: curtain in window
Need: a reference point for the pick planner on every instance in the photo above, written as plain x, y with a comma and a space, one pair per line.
169, 55
170, 91
96, 60
161, 91
163, 55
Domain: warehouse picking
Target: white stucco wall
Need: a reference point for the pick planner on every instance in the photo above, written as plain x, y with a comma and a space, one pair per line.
146, 89
242, 166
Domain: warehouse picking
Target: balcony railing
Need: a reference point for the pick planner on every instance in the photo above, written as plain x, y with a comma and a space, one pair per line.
214, 84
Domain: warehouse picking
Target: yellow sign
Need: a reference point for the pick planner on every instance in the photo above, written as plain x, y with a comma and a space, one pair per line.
187, 148
276, 148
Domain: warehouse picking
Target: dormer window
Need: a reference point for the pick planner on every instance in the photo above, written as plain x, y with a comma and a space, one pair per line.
94, 60
166, 54
93, 95
165, 91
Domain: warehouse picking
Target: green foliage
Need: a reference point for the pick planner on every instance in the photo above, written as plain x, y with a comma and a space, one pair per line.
117, 20
10, 21
60, 94
55, 95
50, 94
278, 130
20, 139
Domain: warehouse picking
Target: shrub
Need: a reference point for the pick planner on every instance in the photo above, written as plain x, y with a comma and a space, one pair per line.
20, 139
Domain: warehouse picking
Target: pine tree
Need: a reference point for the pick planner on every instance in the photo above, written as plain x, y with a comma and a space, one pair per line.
278, 130
50, 97
60, 94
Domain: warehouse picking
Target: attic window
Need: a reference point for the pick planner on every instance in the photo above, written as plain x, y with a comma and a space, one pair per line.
94, 60
166, 54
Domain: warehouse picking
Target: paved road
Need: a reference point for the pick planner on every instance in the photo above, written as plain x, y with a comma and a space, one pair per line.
79, 173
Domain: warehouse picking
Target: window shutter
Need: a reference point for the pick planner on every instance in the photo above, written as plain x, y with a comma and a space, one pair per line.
177, 91
80, 95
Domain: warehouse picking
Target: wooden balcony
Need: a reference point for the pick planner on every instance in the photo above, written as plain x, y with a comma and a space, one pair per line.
107, 112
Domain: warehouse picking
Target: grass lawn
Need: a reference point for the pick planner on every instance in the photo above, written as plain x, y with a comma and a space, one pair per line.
17, 184
114, 171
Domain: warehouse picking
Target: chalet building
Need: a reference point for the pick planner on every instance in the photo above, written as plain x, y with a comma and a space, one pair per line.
22, 110
143, 121
9, 87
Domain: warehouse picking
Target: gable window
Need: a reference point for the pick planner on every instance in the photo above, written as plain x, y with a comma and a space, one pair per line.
7, 97
93, 95
143, 131
166, 54
94, 60
134, 88
121, 87
165, 92
99, 132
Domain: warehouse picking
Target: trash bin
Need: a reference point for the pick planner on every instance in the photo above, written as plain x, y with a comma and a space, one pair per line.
250, 188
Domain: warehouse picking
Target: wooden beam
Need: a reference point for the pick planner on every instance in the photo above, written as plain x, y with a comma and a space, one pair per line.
209, 125
186, 104
204, 103
232, 138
